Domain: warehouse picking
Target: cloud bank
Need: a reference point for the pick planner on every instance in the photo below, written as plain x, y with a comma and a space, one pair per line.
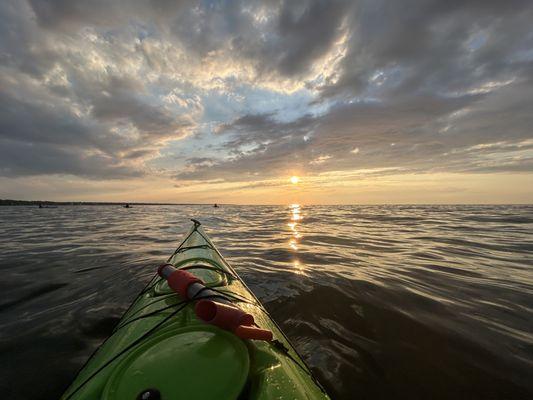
246, 91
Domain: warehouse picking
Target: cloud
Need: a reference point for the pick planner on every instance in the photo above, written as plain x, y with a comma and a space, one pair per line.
404, 134
119, 100
416, 85
431, 46
253, 90
320, 160
20, 159
39, 128
260, 129
296, 43
73, 101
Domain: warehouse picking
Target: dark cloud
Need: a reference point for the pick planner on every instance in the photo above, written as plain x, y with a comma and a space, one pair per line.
24, 158
262, 129
278, 37
47, 130
22, 46
199, 161
37, 123
121, 100
66, 117
41, 139
71, 15
302, 33
432, 46
286, 42
74, 14
135, 154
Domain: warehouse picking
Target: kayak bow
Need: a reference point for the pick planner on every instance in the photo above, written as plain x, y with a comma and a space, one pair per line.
213, 340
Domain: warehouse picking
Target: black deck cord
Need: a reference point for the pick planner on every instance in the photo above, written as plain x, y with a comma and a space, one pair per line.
146, 288
236, 298
144, 336
200, 246
214, 296
127, 348
166, 308
195, 229
118, 323
208, 267
164, 297
281, 347
146, 315
181, 305
161, 298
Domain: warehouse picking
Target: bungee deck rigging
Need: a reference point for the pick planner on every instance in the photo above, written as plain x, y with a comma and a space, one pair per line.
163, 349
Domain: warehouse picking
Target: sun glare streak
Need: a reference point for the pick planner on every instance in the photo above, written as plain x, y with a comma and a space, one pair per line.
298, 268
295, 214
294, 241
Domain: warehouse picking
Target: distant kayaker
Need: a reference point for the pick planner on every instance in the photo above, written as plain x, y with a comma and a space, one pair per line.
127, 205
216, 205
40, 205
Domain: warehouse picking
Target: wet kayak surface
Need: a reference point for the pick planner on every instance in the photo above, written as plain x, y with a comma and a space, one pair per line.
381, 301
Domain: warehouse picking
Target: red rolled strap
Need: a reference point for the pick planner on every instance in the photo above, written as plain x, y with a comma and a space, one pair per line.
251, 332
224, 316
180, 280
230, 318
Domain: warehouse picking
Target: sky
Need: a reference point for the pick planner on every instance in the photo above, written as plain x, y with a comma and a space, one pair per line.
365, 102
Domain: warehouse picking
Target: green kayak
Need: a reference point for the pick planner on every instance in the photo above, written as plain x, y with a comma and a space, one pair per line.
196, 332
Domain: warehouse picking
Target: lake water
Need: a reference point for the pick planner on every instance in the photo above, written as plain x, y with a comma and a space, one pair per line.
382, 301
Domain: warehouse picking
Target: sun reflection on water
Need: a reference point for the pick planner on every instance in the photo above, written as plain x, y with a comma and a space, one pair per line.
298, 268
294, 241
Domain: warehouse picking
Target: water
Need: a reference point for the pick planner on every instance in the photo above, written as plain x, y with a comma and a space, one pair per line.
382, 301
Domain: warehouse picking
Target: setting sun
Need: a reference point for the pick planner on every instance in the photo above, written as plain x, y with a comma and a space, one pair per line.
294, 180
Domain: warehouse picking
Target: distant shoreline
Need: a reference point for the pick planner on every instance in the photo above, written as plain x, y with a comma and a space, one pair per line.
9, 202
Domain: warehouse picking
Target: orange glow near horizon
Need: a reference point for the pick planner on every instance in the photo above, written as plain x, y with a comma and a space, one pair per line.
326, 188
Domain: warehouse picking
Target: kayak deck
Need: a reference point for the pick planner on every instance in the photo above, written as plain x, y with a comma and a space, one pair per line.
161, 350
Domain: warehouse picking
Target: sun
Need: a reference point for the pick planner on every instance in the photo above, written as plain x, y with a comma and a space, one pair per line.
294, 180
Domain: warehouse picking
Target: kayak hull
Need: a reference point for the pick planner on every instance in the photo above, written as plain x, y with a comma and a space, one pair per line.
161, 348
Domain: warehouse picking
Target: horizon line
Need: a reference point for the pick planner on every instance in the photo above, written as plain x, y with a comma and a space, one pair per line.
6, 202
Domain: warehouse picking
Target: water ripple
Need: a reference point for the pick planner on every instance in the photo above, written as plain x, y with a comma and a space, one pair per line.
382, 301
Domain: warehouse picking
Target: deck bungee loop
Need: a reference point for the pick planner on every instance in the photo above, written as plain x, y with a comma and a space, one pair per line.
221, 313
196, 331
